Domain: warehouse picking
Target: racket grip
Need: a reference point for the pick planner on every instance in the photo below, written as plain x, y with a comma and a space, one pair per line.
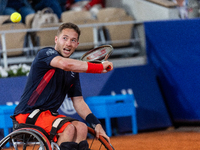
108, 68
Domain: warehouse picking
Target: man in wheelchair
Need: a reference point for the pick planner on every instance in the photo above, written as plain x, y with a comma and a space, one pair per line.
54, 75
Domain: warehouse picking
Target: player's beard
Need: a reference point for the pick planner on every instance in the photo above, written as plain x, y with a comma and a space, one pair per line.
61, 50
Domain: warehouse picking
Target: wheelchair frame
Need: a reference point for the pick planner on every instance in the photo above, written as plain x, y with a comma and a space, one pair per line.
26, 138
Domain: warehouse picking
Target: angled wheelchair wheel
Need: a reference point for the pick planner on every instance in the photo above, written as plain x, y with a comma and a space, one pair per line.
100, 144
25, 139
33, 139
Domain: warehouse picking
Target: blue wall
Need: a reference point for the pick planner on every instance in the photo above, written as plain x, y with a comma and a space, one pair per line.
151, 110
174, 49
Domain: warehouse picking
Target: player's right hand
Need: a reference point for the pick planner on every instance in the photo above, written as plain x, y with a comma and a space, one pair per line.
107, 66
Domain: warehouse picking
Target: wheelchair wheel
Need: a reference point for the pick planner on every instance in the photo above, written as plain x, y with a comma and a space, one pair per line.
30, 138
25, 139
100, 144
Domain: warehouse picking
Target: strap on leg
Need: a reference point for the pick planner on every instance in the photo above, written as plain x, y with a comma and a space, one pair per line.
83, 145
69, 146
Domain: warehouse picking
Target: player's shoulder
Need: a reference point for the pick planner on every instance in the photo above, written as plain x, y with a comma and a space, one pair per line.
48, 51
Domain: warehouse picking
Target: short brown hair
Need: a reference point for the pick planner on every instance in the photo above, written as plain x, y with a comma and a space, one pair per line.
70, 26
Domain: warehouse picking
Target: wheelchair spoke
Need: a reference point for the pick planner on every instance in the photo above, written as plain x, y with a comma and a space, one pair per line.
101, 143
22, 140
33, 139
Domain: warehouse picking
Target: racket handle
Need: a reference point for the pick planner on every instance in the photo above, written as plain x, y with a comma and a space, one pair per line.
108, 68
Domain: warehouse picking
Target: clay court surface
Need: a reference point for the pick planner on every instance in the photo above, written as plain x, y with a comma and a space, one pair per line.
180, 139
170, 139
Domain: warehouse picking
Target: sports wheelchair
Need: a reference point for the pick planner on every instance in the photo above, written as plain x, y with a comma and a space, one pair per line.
31, 137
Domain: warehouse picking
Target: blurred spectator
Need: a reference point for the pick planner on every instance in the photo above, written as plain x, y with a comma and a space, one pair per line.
62, 4
7, 7
182, 8
91, 5
53, 4
84, 4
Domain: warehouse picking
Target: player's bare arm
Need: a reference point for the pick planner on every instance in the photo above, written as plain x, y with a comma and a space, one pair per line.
80, 106
74, 65
83, 110
69, 64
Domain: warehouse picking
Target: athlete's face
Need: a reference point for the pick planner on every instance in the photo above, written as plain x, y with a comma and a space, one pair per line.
66, 42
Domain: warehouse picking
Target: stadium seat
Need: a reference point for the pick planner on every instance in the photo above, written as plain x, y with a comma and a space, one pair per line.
14, 41
3, 18
116, 35
73, 16
87, 38
80, 18
110, 12
42, 39
47, 38
28, 20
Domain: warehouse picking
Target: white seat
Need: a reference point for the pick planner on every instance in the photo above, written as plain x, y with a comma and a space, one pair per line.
81, 17
14, 40
3, 18
110, 12
115, 33
47, 38
71, 16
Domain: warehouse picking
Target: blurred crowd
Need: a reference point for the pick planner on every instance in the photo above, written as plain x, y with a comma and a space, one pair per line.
182, 8
26, 7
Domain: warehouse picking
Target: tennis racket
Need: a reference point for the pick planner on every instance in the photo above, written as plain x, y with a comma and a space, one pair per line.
98, 55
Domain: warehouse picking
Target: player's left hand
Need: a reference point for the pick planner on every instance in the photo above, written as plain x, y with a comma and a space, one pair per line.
100, 131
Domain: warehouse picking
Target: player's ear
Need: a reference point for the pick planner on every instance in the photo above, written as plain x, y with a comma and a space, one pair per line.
77, 44
56, 39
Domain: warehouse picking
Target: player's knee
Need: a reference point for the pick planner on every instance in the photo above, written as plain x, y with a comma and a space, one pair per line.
82, 128
70, 130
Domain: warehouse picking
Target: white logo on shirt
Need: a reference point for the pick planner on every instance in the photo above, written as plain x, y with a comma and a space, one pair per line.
67, 106
50, 52
72, 74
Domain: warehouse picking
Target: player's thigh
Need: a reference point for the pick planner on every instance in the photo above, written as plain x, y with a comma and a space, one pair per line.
81, 127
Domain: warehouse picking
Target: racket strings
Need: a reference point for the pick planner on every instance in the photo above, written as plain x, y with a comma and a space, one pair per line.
98, 54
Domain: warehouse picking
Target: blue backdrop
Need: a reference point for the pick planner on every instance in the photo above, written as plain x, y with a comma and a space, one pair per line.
174, 49
140, 80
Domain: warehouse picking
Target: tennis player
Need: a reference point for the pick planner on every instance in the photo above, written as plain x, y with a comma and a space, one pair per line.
54, 75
